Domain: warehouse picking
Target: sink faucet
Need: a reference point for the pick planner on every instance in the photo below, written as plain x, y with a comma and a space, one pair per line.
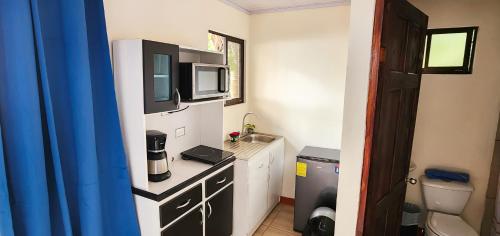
243, 122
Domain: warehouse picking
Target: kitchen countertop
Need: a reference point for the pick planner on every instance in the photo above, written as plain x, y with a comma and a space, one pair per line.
184, 173
244, 151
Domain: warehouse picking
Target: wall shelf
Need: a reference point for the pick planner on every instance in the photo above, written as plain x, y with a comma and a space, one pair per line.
187, 48
189, 54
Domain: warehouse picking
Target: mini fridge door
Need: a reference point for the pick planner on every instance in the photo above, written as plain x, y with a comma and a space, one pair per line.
315, 186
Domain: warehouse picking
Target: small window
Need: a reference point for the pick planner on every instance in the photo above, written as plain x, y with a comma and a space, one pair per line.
450, 51
216, 43
234, 52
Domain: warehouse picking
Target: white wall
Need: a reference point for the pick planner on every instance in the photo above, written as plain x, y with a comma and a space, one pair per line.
458, 114
355, 101
202, 125
183, 22
298, 67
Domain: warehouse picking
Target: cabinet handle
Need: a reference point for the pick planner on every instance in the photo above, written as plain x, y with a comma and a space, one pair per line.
201, 212
261, 165
209, 210
221, 181
184, 205
178, 98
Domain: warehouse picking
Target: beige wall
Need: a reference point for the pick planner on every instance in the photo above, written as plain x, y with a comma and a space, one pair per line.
183, 22
354, 121
298, 65
458, 114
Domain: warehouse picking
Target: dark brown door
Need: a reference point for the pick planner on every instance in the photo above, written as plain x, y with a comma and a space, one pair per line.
402, 45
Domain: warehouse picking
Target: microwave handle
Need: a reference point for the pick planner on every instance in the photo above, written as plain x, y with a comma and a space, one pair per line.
224, 76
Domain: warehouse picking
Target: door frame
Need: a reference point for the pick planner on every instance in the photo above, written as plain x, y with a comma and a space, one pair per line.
376, 56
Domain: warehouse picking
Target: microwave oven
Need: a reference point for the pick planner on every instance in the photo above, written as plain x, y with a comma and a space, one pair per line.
203, 81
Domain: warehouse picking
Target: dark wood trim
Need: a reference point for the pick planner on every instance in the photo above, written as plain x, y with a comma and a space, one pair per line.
180, 186
470, 46
377, 52
229, 38
287, 201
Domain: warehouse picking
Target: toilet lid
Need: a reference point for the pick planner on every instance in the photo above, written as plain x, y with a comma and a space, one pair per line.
449, 225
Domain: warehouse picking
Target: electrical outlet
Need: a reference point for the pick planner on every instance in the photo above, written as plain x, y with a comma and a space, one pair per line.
179, 132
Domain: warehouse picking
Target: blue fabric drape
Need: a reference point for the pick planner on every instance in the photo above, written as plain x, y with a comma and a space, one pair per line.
65, 166
5, 215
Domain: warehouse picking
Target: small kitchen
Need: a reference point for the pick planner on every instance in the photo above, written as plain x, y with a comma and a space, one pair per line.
202, 154
179, 163
230, 117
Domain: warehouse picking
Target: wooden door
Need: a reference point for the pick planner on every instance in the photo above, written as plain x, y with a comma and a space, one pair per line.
402, 38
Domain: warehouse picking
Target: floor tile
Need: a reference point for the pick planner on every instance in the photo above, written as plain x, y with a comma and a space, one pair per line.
279, 222
283, 221
260, 231
271, 216
286, 208
271, 231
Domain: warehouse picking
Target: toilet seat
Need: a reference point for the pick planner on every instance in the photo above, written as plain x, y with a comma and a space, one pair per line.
448, 225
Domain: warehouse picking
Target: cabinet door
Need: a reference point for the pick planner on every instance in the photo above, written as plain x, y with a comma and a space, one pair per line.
161, 79
258, 187
276, 155
219, 213
190, 224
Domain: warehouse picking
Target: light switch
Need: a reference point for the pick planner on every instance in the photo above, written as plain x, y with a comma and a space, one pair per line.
179, 132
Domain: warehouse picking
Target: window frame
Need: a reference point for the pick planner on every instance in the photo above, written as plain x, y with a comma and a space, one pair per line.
232, 39
470, 43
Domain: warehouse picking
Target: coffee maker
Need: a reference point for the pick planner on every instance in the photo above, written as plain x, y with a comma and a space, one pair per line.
157, 156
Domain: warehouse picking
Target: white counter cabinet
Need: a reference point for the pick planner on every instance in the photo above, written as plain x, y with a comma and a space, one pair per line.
258, 183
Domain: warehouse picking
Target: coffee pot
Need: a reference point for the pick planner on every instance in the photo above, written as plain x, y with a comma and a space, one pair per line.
157, 156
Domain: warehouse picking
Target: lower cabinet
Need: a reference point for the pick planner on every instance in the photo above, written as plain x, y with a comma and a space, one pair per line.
219, 213
203, 208
276, 166
258, 184
190, 224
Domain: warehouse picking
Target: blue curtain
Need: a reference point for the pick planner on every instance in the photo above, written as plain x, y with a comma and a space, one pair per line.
63, 169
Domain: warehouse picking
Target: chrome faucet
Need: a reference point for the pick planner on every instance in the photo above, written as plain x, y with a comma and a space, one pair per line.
243, 123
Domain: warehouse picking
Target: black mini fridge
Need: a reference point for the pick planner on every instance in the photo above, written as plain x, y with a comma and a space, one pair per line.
316, 181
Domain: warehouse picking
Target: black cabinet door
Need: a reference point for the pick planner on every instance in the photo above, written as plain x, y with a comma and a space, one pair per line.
161, 78
219, 213
218, 181
191, 224
174, 208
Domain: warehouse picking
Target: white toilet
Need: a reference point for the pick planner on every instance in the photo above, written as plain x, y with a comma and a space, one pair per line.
445, 201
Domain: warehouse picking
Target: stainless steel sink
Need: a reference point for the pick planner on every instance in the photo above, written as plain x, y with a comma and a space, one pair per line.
258, 138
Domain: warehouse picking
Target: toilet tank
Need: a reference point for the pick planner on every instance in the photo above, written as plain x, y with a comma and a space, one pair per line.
446, 197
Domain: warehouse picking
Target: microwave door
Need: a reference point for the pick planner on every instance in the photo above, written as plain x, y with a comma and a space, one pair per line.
206, 82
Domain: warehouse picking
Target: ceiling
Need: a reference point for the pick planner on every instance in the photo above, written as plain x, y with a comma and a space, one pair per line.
264, 6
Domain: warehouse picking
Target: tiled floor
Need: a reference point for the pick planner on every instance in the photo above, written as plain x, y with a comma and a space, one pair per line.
279, 222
